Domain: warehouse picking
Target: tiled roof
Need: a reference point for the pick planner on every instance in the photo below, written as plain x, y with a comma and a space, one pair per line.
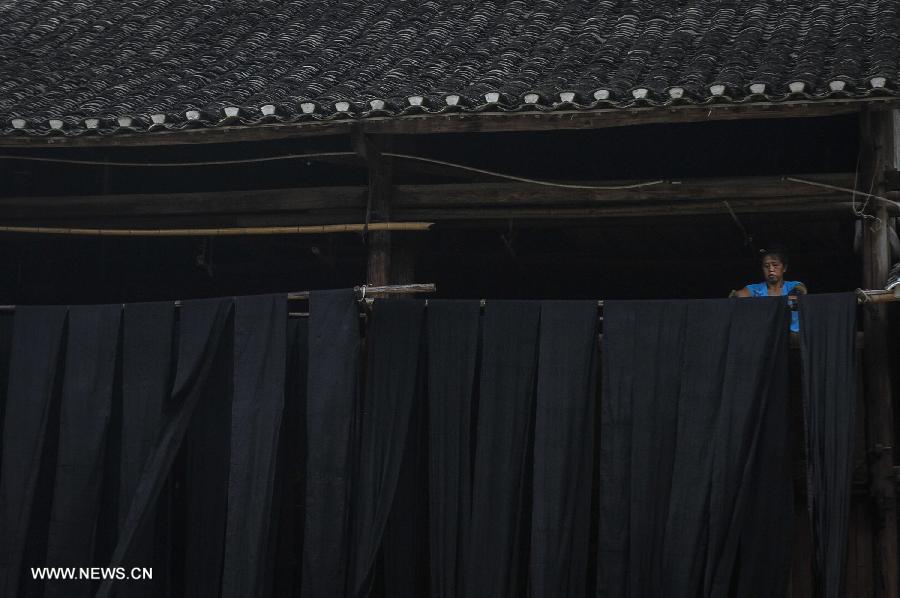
73, 67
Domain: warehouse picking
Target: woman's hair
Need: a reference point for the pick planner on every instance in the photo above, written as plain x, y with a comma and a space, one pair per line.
776, 250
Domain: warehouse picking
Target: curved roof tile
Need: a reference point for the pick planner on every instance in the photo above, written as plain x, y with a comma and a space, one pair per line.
75, 67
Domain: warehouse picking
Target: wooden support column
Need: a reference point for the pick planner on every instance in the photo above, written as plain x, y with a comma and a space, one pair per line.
391, 255
378, 205
877, 148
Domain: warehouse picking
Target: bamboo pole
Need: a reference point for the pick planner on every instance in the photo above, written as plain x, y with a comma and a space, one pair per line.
221, 232
363, 292
367, 292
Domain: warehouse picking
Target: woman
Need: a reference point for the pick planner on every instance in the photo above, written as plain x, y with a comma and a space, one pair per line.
774, 266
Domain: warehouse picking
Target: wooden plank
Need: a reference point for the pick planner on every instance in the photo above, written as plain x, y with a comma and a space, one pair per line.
876, 145
464, 122
737, 190
449, 216
668, 209
515, 193
895, 117
256, 201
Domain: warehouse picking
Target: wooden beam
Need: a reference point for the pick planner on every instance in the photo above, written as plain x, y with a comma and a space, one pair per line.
514, 193
777, 205
737, 190
464, 122
895, 139
877, 154
461, 217
217, 202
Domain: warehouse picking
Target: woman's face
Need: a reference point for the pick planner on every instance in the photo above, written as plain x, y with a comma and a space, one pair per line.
773, 269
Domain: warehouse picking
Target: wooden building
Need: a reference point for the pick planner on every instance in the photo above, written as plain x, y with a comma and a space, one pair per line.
158, 148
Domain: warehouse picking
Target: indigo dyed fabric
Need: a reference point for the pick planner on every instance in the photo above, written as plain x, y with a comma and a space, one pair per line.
828, 353
85, 410
207, 459
34, 373
202, 328
405, 542
496, 559
260, 348
147, 374
6, 328
452, 330
695, 495
392, 347
334, 344
290, 473
563, 449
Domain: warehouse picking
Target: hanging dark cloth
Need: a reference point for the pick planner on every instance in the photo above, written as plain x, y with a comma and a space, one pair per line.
452, 330
405, 542
392, 347
260, 327
563, 449
828, 353
331, 406
84, 422
290, 473
147, 372
207, 457
405, 547
695, 481
34, 372
496, 562
6, 328
202, 326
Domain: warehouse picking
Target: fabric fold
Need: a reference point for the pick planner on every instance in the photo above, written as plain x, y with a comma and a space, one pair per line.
34, 373
202, 326
695, 496
290, 474
563, 449
334, 344
392, 346
497, 558
92, 349
828, 354
260, 348
207, 455
147, 374
6, 329
452, 330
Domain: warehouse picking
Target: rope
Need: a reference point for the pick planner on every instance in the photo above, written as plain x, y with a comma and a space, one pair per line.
868, 196
179, 164
332, 155
523, 179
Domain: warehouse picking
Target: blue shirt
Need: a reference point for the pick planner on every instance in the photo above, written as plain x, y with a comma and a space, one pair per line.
760, 290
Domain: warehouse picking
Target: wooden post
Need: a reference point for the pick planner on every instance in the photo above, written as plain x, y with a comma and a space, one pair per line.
378, 205
403, 258
391, 255
877, 155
